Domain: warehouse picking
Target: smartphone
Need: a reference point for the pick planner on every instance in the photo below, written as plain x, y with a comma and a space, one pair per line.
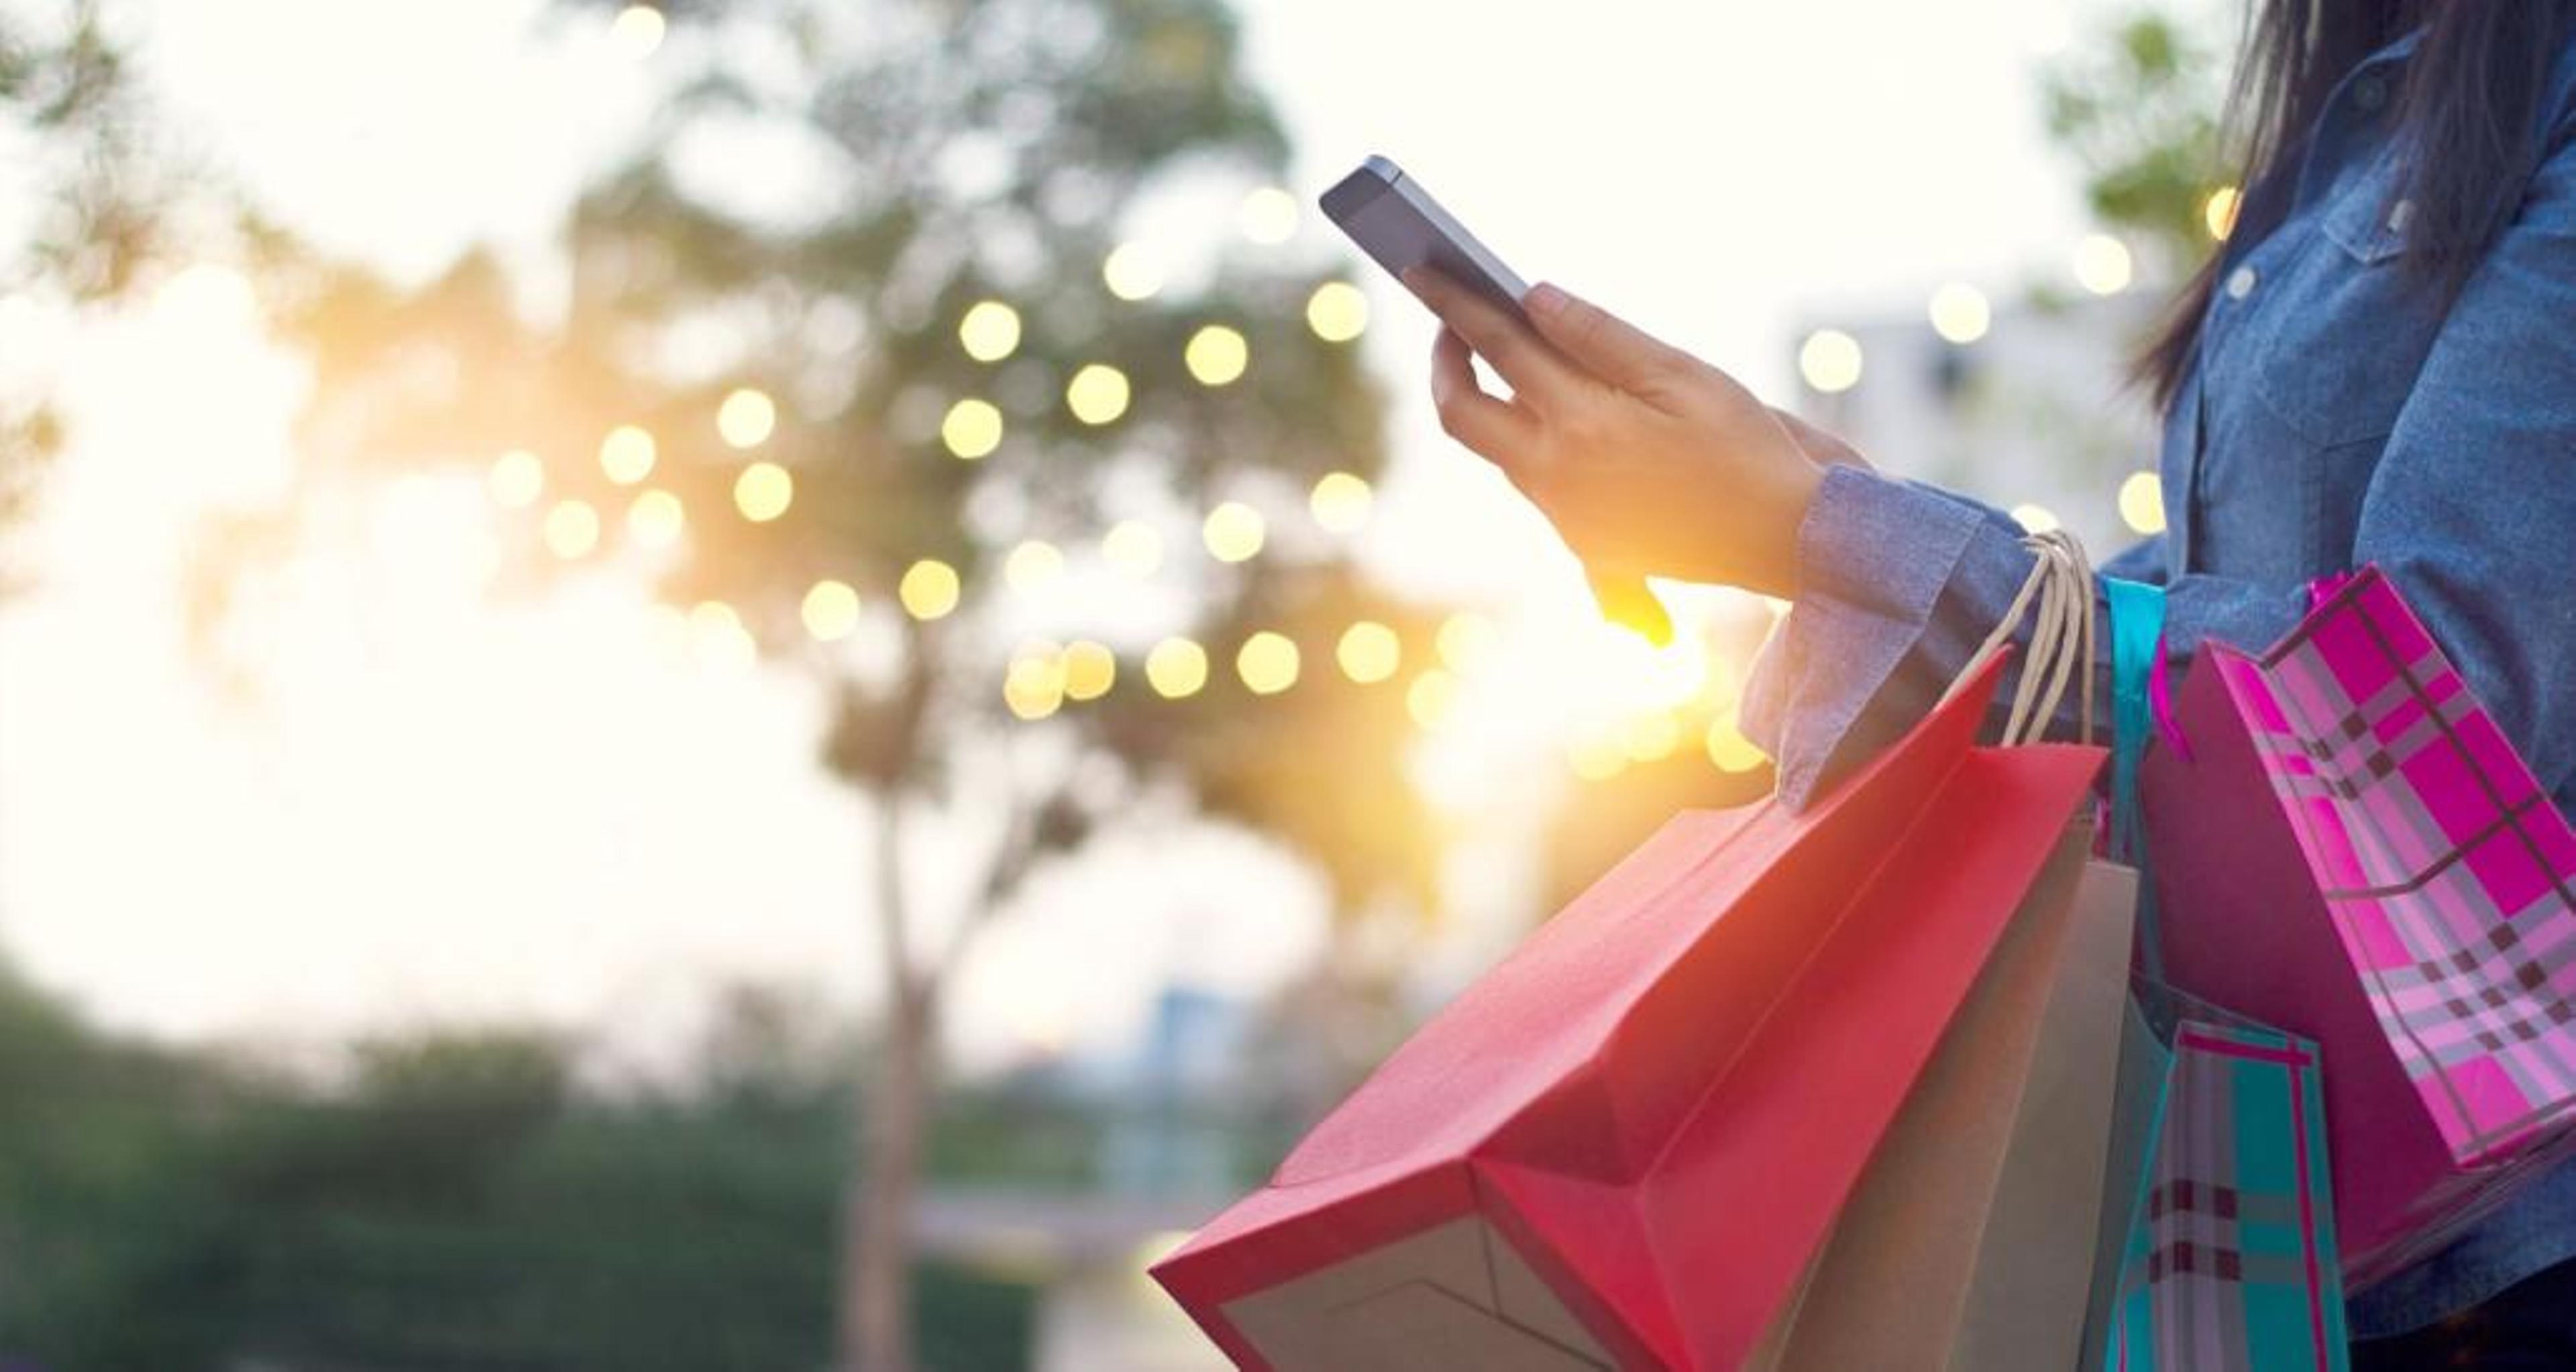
1395, 221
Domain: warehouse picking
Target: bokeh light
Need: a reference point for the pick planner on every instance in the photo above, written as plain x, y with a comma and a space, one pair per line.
1596, 752
1651, 737
637, 31
929, 589
1132, 271
1467, 641
1961, 313
1267, 662
1177, 667
627, 454
1090, 669
990, 331
1097, 394
2038, 519
1234, 532
2218, 212
1034, 686
1032, 564
1268, 215
517, 479
1729, 749
2103, 265
717, 635
1217, 355
746, 418
1830, 361
655, 519
972, 429
2142, 503
763, 492
572, 529
1431, 697
1132, 546
1341, 502
1369, 652
1338, 312
830, 610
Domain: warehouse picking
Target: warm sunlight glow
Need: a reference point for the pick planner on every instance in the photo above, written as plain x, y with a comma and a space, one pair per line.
1267, 663
1430, 698
626, 454
1090, 669
1341, 502
2218, 212
655, 519
1596, 753
2142, 503
746, 418
1337, 312
1097, 394
1467, 641
1132, 271
637, 31
1132, 546
717, 636
1234, 532
1031, 565
1651, 737
2038, 519
990, 331
972, 429
928, 590
1960, 313
763, 492
1730, 749
572, 529
2103, 265
1830, 361
517, 479
1268, 215
1369, 652
206, 298
830, 611
1034, 687
1176, 668
1217, 355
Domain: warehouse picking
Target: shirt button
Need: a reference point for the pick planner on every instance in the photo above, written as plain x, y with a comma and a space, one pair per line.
2370, 93
2398, 214
2240, 283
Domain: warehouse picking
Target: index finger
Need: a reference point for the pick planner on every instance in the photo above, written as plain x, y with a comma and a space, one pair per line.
1500, 337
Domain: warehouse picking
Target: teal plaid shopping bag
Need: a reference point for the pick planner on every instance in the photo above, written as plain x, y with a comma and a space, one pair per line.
2230, 1263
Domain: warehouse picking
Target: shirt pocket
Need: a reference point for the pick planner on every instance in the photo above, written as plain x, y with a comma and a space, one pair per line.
2341, 331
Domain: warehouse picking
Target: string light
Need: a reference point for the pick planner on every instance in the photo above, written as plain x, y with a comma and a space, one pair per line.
2103, 265
830, 611
990, 331
1097, 394
1341, 502
1267, 662
1337, 312
1132, 546
572, 529
1217, 355
2142, 503
1031, 565
1234, 532
1369, 652
1089, 670
1176, 668
626, 454
972, 429
1960, 313
1034, 686
1830, 361
763, 492
655, 519
1132, 272
929, 589
517, 478
746, 418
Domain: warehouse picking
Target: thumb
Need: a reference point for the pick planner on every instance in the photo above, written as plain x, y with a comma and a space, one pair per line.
1603, 344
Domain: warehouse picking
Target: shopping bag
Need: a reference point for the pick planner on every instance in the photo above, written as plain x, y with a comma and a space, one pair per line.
1624, 1145
2230, 1262
2353, 852
1969, 1238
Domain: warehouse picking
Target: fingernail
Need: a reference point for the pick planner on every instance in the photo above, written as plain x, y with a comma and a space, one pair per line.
1544, 299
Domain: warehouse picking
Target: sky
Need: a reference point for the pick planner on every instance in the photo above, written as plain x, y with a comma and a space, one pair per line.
450, 808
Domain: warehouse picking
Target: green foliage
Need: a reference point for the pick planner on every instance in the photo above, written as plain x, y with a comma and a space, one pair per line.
2139, 110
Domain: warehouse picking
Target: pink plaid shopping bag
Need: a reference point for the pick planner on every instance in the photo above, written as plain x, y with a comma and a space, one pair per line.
2351, 850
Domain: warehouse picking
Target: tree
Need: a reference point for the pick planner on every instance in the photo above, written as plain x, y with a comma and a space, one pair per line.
2139, 110
918, 385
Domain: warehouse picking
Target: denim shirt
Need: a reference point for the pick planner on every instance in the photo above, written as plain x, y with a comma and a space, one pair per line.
2331, 418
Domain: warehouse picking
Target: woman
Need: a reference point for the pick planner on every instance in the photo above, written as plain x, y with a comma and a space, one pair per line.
2380, 367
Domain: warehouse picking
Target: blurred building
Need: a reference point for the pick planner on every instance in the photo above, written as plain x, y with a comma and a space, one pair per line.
2025, 405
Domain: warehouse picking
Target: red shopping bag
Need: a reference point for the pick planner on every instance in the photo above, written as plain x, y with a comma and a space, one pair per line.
1624, 1145
2352, 851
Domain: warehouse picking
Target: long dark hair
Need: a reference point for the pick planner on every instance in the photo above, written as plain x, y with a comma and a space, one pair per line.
2466, 119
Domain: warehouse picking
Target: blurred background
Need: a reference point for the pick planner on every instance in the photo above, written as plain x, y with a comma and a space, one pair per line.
772, 684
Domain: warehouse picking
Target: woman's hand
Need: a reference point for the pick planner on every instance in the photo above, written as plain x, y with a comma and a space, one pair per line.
1647, 460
